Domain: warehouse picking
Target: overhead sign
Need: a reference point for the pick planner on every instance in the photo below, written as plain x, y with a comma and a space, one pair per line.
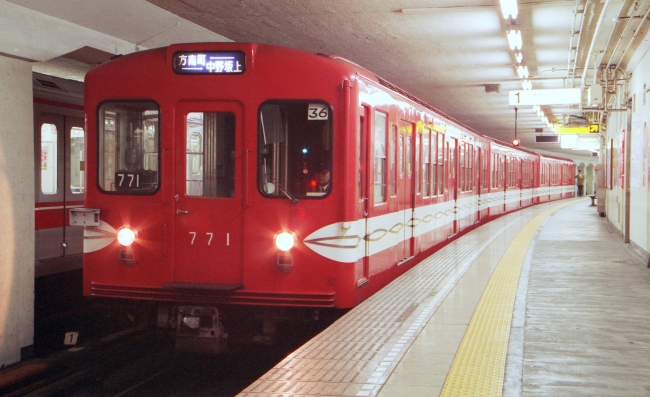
559, 96
565, 129
547, 138
218, 62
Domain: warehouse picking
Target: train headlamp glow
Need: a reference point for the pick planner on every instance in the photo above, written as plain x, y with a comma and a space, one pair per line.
125, 236
284, 241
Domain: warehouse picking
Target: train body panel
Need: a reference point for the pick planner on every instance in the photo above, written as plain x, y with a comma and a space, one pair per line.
209, 166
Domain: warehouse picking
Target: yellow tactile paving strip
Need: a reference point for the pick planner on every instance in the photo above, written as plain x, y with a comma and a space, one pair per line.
479, 365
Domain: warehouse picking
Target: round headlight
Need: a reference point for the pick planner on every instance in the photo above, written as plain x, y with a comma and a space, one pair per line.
284, 241
125, 236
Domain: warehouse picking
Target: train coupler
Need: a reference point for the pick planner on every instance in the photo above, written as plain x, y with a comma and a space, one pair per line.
199, 330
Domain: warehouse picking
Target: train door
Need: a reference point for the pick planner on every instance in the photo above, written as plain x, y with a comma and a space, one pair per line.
59, 140
363, 264
405, 189
208, 195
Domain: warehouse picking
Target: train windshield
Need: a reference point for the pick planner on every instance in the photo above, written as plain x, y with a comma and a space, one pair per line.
128, 134
295, 140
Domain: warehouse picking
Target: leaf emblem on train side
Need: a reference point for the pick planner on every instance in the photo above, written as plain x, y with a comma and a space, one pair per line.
346, 244
98, 237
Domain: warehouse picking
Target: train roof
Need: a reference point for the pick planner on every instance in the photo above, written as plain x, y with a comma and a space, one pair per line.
346, 65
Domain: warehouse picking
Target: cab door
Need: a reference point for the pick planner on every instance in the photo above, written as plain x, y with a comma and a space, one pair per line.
208, 195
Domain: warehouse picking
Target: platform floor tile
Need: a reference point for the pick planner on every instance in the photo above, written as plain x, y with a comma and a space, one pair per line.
374, 348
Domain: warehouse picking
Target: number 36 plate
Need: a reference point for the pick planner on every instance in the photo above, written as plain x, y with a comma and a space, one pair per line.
317, 111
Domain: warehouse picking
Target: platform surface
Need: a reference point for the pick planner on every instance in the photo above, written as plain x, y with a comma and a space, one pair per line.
547, 301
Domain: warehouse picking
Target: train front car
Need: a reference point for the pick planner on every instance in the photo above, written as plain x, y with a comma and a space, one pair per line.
211, 164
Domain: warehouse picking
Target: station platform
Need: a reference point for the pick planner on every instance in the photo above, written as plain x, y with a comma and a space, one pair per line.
547, 301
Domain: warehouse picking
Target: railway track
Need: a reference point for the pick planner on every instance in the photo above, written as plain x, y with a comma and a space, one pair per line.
136, 362
66, 371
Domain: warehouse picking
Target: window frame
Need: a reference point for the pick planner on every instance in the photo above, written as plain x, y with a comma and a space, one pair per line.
100, 132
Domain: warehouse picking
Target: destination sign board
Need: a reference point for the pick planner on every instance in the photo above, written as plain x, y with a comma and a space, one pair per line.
216, 62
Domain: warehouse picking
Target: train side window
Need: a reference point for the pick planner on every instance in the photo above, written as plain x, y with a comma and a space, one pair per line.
393, 170
495, 170
77, 163
209, 158
400, 155
441, 163
434, 163
417, 164
49, 159
426, 162
472, 154
361, 144
485, 161
408, 157
463, 166
128, 140
381, 136
295, 149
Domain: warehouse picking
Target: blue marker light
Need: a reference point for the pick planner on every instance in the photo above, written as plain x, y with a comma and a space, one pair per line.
304, 151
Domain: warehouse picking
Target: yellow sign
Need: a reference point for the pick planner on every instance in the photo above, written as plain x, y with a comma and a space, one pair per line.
588, 129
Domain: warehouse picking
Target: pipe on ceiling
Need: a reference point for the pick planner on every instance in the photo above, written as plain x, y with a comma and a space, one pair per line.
636, 33
620, 39
599, 24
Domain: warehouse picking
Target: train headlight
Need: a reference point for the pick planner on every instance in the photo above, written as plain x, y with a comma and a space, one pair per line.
284, 241
126, 236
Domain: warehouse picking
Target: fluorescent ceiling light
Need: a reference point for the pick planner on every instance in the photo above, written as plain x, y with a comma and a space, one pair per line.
514, 39
418, 10
519, 56
522, 71
508, 8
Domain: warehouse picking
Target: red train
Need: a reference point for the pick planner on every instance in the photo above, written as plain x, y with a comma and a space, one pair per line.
225, 174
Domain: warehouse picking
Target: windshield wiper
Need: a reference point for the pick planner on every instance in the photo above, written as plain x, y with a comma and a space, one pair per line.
281, 188
286, 193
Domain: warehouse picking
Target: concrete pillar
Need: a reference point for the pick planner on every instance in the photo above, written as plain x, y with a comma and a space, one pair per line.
590, 181
16, 209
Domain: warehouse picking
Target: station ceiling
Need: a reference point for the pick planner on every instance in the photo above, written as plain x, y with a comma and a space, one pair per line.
452, 54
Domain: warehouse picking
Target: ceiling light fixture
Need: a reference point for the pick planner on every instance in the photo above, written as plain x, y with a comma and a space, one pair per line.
522, 71
509, 9
519, 56
419, 10
526, 84
514, 39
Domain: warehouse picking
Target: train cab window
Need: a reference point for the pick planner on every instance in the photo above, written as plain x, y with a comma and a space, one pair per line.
128, 134
49, 159
295, 156
209, 154
77, 163
381, 135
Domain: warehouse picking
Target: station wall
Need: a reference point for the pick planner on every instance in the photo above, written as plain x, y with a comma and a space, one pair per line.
16, 209
626, 158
